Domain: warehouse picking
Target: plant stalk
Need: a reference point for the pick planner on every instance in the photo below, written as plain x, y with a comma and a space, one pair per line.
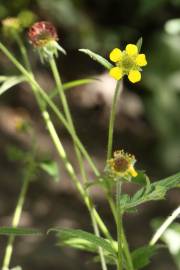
66, 109
117, 93
119, 226
17, 213
164, 226
51, 104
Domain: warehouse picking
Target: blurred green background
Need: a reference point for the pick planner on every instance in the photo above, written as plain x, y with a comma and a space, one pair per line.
153, 135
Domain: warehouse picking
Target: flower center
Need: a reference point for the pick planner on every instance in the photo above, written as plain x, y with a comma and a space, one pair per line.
127, 62
120, 164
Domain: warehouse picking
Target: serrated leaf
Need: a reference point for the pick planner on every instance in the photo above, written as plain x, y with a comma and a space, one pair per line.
83, 239
10, 82
19, 231
98, 58
124, 199
141, 256
139, 43
170, 182
154, 191
109, 259
51, 168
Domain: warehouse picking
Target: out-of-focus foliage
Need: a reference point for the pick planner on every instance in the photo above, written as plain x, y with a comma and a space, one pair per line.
171, 237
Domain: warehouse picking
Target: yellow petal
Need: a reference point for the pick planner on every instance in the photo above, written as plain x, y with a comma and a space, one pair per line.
116, 73
134, 76
131, 49
132, 171
115, 55
141, 60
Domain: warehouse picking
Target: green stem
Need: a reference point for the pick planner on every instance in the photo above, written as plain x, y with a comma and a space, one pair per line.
23, 51
54, 108
66, 109
164, 226
63, 99
96, 231
72, 174
124, 240
127, 251
17, 213
118, 90
38, 90
119, 225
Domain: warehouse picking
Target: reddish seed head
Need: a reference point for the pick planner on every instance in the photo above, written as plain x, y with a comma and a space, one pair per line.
41, 33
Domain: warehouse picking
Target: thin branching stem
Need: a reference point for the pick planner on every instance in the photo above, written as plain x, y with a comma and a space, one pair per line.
119, 226
67, 112
164, 226
117, 93
29, 172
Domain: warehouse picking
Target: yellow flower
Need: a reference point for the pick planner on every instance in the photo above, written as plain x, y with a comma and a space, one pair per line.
128, 62
122, 164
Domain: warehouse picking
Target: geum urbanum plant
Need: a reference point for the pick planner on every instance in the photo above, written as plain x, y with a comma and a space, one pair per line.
119, 166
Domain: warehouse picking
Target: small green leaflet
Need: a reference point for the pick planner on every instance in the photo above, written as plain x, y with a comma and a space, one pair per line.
154, 191
139, 44
19, 231
9, 82
98, 58
83, 240
141, 256
51, 168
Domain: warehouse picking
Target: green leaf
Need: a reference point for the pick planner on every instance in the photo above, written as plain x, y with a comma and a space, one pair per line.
141, 178
170, 182
19, 231
72, 84
76, 83
51, 168
83, 240
10, 82
152, 192
139, 43
14, 153
97, 58
141, 256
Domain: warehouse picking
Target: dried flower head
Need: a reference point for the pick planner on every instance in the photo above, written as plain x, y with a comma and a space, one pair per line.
42, 33
122, 165
128, 62
44, 38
